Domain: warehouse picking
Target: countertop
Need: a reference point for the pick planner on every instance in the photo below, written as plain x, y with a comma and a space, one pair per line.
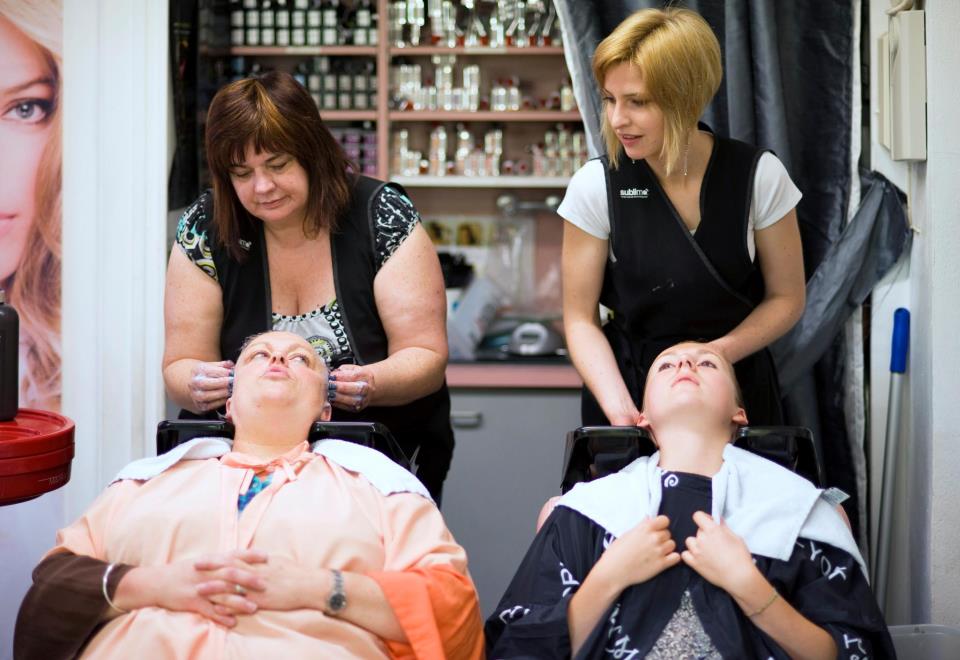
532, 374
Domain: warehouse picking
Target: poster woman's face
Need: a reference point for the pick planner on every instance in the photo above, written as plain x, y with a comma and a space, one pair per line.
27, 96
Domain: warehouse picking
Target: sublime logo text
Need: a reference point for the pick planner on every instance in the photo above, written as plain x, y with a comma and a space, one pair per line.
634, 193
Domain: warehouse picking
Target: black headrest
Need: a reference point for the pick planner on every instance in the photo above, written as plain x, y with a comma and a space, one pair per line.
596, 451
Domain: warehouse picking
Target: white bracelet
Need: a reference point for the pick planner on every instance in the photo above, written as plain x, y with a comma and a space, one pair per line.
106, 595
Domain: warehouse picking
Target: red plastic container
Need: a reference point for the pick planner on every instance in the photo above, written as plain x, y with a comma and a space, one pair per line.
36, 448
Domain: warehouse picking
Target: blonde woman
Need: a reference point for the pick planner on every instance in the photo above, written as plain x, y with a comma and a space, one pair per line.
30, 36
681, 233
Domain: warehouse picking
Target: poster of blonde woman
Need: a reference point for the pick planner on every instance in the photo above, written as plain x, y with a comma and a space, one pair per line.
30, 218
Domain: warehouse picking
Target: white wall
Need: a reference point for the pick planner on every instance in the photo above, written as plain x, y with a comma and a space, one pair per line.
114, 242
925, 563
115, 203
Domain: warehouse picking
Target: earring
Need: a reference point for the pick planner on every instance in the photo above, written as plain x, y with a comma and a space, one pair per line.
686, 156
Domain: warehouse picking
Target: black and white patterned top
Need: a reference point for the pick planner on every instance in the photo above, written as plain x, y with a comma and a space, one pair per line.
394, 219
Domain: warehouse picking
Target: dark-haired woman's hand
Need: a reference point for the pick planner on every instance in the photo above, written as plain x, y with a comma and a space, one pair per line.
351, 387
210, 384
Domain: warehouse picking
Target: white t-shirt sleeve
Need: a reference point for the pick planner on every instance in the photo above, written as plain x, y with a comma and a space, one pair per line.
584, 204
774, 193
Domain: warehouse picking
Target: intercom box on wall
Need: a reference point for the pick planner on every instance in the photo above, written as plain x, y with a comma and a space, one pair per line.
903, 95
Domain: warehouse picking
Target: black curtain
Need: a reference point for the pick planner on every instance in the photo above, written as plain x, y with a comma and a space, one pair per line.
182, 184
787, 86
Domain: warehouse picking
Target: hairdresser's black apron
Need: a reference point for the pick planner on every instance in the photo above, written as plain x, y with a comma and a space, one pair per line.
423, 423
666, 285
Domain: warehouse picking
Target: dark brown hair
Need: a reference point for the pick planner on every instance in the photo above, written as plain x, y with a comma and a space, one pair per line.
274, 113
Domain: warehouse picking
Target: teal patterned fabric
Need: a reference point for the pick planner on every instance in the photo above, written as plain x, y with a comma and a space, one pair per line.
258, 484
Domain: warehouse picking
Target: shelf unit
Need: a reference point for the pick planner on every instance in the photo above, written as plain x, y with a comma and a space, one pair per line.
273, 51
541, 70
475, 50
385, 118
426, 181
546, 116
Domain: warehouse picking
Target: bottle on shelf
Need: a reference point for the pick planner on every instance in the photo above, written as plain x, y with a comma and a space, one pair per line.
373, 34
497, 30
314, 28
516, 32
282, 21
437, 154
268, 34
9, 360
416, 19
237, 36
493, 150
475, 33
362, 23
251, 23
298, 22
360, 146
461, 157
330, 20
398, 20
448, 35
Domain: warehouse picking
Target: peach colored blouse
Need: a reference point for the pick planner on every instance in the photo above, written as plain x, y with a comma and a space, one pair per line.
315, 512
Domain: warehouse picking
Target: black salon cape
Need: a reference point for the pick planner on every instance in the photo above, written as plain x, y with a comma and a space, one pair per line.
825, 584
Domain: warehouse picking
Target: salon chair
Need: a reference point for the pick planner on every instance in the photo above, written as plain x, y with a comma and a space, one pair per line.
369, 434
596, 451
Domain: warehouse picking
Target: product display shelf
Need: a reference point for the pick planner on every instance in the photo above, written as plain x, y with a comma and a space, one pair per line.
513, 375
484, 115
387, 118
453, 181
475, 50
348, 115
368, 51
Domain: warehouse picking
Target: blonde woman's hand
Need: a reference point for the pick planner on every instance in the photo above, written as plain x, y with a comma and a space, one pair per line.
351, 387
625, 418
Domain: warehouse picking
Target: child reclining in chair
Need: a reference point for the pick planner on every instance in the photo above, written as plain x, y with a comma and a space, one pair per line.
702, 550
260, 550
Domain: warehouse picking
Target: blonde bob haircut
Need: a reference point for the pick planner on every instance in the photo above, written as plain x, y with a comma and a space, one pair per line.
679, 57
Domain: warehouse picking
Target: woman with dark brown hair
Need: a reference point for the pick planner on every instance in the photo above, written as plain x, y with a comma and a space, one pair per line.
291, 238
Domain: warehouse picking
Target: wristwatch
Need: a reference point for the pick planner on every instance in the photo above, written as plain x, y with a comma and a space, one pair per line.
337, 600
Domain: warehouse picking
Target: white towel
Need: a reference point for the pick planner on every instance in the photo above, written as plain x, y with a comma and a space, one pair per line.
195, 449
765, 504
385, 475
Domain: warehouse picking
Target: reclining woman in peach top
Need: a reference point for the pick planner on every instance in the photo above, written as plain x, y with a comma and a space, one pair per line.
264, 547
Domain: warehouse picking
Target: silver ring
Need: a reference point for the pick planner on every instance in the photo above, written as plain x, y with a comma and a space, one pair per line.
239, 590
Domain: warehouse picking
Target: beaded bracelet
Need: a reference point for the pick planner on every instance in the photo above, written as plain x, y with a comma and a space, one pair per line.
775, 595
106, 595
